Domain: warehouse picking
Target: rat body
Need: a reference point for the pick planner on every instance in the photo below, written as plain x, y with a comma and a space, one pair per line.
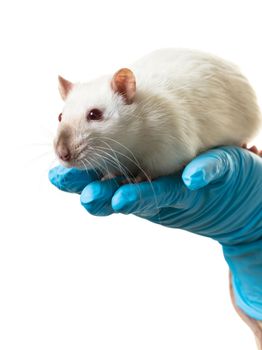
152, 119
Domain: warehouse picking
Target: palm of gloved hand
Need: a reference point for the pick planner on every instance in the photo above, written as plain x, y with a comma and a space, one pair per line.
218, 195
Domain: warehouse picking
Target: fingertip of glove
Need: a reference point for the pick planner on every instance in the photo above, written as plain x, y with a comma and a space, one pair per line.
91, 193
93, 199
52, 175
89, 196
204, 169
118, 202
124, 200
196, 180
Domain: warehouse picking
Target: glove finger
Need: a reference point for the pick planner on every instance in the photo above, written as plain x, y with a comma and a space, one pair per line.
209, 167
96, 197
149, 197
71, 179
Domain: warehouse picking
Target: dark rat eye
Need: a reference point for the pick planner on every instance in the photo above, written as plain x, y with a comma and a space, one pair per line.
95, 114
60, 117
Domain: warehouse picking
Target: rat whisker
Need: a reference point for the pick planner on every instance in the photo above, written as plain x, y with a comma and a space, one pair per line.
123, 169
135, 162
105, 164
148, 178
123, 146
114, 158
34, 144
84, 165
91, 167
38, 158
96, 163
112, 162
138, 166
100, 167
47, 130
154, 194
42, 175
117, 164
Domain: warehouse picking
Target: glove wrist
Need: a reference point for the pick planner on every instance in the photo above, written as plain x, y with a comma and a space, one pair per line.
245, 264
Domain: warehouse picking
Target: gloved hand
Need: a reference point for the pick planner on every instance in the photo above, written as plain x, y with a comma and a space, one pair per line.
218, 195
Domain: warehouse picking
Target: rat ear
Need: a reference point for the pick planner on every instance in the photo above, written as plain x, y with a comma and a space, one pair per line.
124, 83
64, 87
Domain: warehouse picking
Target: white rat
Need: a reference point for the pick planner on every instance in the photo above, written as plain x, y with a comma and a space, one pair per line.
152, 119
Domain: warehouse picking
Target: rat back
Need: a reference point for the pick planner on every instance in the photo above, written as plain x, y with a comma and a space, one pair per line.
191, 101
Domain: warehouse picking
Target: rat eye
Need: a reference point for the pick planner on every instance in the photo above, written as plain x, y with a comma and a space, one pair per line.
95, 114
60, 117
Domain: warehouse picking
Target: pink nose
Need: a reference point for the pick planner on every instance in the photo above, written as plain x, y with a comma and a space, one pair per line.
63, 153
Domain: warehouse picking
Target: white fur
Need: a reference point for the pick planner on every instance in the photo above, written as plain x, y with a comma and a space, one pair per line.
186, 102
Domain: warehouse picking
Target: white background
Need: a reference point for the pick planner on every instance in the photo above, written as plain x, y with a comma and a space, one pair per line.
69, 280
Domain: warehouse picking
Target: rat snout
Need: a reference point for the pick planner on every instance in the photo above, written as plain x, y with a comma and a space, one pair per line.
62, 145
63, 152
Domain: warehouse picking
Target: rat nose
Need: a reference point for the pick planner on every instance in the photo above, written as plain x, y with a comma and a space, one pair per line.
63, 152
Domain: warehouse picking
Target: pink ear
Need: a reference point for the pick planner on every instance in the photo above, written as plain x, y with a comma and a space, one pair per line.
64, 87
124, 83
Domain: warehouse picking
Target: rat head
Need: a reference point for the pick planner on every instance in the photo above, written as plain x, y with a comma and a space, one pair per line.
96, 122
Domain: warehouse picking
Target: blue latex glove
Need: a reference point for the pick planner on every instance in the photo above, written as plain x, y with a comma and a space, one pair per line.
219, 195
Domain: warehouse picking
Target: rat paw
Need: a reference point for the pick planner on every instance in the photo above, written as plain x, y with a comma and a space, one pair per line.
108, 176
253, 149
142, 178
136, 179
